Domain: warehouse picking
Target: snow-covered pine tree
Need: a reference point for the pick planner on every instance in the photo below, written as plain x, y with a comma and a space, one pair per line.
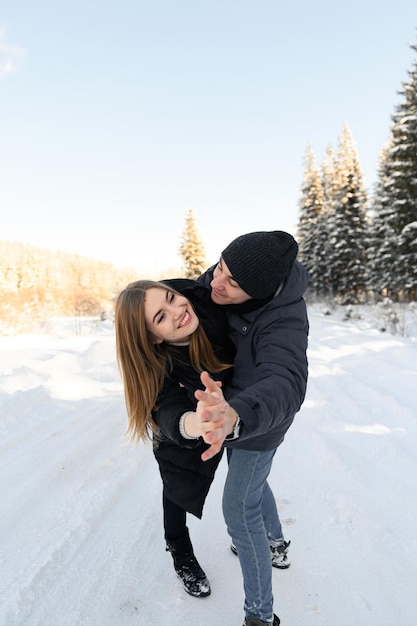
381, 237
395, 202
330, 189
309, 234
347, 224
191, 249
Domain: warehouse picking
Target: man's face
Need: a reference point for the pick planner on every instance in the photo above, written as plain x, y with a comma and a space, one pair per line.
225, 289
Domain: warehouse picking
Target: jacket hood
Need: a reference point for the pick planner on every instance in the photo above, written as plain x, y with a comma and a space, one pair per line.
295, 286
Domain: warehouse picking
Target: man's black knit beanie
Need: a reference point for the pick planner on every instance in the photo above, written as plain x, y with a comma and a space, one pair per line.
259, 262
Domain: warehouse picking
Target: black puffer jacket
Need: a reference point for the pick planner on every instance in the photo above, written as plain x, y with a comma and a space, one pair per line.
187, 479
270, 368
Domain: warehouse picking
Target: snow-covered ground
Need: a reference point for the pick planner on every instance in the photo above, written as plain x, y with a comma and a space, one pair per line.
80, 519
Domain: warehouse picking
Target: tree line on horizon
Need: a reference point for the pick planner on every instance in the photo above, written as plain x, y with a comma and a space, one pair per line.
37, 284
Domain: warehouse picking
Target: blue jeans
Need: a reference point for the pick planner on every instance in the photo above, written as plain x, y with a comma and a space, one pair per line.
251, 516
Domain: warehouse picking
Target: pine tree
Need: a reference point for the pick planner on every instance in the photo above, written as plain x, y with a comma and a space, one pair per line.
395, 201
382, 236
192, 249
311, 207
347, 224
329, 183
328, 174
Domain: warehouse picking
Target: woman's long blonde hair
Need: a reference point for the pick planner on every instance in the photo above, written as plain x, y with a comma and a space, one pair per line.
143, 363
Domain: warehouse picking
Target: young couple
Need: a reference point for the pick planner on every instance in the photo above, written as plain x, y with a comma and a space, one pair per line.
167, 334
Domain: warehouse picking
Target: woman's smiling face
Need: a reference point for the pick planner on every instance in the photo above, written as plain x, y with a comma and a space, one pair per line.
169, 316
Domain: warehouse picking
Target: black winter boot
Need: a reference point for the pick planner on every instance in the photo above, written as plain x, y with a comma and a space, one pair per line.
253, 621
187, 567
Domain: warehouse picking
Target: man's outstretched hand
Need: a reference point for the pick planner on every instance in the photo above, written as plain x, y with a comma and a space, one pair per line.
216, 416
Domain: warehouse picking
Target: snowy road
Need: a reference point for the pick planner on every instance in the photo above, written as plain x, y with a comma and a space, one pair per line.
80, 522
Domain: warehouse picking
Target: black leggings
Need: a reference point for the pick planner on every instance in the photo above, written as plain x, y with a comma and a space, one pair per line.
174, 519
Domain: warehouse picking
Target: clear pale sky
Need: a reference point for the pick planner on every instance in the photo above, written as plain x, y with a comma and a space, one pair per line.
116, 117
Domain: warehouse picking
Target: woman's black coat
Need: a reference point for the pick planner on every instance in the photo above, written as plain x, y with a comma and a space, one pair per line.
186, 478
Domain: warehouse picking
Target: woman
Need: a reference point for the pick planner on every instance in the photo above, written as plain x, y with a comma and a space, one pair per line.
167, 333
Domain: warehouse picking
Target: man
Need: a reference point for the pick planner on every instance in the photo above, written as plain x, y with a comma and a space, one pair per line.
261, 285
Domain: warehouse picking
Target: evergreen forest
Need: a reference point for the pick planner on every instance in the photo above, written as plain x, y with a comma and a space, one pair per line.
357, 248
